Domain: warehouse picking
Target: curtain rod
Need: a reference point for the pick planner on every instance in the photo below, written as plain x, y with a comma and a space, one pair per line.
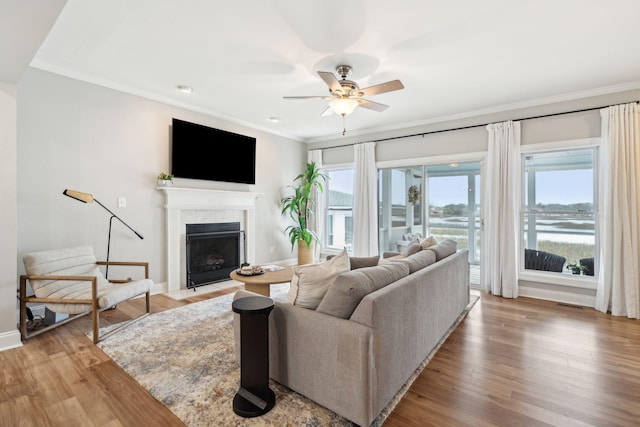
466, 127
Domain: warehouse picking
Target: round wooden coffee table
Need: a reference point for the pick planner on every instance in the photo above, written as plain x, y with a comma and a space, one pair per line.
261, 283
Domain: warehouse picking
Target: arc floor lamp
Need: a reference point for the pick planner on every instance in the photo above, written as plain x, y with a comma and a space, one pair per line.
88, 198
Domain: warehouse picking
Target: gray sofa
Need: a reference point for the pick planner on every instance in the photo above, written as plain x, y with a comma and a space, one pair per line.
354, 366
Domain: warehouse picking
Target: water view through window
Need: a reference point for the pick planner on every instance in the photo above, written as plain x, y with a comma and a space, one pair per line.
559, 219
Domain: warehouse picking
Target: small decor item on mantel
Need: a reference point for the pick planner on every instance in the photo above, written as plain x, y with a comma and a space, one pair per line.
577, 268
164, 179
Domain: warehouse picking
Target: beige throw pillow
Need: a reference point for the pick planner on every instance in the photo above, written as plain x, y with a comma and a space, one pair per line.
428, 241
411, 249
444, 249
310, 282
383, 261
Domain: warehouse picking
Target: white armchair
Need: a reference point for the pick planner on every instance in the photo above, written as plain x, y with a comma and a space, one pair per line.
70, 281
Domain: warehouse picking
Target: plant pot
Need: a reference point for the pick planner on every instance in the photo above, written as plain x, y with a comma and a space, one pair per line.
165, 182
305, 253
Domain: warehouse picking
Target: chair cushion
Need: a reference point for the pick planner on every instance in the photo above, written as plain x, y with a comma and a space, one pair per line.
310, 282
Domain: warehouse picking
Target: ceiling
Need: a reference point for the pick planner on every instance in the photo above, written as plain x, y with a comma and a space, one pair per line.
455, 58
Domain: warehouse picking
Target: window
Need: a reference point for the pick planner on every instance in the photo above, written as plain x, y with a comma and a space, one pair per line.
400, 206
559, 220
339, 228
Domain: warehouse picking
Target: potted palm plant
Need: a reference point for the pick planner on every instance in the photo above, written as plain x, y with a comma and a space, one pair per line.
299, 207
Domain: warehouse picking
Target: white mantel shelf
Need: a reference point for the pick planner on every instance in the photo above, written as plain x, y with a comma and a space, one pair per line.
179, 200
199, 198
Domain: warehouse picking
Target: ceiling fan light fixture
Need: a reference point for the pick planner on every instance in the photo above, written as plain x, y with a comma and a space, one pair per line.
343, 106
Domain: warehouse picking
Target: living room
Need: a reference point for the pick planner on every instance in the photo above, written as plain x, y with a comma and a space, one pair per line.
60, 132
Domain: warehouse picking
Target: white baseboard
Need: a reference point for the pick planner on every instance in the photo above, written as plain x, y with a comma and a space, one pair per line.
558, 296
9, 340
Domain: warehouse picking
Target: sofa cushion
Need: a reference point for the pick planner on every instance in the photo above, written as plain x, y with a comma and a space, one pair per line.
444, 249
349, 288
310, 282
427, 242
418, 261
359, 262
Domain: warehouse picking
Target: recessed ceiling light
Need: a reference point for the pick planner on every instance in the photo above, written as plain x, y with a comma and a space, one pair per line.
274, 119
185, 89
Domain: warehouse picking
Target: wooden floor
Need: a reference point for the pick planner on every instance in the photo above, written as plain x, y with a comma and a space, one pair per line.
521, 362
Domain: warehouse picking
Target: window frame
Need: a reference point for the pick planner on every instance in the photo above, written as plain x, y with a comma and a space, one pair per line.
586, 282
326, 249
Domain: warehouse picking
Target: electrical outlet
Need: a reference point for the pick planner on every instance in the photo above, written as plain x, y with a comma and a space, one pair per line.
270, 249
122, 202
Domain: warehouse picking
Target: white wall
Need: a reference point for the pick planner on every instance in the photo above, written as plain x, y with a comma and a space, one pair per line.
9, 336
110, 144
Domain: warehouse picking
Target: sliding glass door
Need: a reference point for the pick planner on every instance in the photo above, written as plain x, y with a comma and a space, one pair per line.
454, 205
438, 200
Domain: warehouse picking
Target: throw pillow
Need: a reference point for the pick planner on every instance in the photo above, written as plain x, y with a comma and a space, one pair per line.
310, 282
361, 262
428, 241
349, 288
411, 249
382, 261
444, 249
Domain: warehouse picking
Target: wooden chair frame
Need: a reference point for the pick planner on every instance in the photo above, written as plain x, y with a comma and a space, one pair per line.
24, 299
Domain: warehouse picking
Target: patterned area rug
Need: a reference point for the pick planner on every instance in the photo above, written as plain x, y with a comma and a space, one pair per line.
185, 358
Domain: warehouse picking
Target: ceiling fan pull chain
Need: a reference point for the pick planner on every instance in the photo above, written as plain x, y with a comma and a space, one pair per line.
344, 125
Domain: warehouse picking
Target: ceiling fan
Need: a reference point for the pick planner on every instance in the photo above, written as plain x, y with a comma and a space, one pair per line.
346, 95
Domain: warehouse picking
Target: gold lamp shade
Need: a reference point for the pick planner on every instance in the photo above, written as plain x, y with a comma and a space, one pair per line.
83, 197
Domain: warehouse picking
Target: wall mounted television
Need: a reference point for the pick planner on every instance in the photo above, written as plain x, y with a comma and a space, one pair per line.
202, 152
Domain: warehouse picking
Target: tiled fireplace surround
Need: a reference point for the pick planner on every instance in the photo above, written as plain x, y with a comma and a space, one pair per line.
202, 206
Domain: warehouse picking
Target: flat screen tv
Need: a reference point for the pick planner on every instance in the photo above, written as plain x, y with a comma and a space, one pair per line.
201, 152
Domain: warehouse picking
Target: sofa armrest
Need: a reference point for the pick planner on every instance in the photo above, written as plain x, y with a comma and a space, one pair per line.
312, 353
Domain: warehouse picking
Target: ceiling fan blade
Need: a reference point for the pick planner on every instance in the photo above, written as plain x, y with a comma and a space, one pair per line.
382, 88
331, 80
327, 112
306, 97
375, 106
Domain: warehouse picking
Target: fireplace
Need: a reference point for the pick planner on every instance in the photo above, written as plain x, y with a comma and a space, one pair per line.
212, 252
199, 206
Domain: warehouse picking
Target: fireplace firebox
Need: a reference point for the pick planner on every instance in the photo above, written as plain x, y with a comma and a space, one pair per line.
212, 252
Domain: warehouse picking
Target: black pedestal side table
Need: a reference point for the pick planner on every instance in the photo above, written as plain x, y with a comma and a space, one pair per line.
254, 397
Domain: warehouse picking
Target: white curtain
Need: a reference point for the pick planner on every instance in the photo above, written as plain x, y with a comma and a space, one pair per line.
501, 208
319, 209
365, 203
619, 275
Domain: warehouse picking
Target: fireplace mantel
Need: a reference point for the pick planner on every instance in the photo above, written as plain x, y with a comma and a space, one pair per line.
181, 200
